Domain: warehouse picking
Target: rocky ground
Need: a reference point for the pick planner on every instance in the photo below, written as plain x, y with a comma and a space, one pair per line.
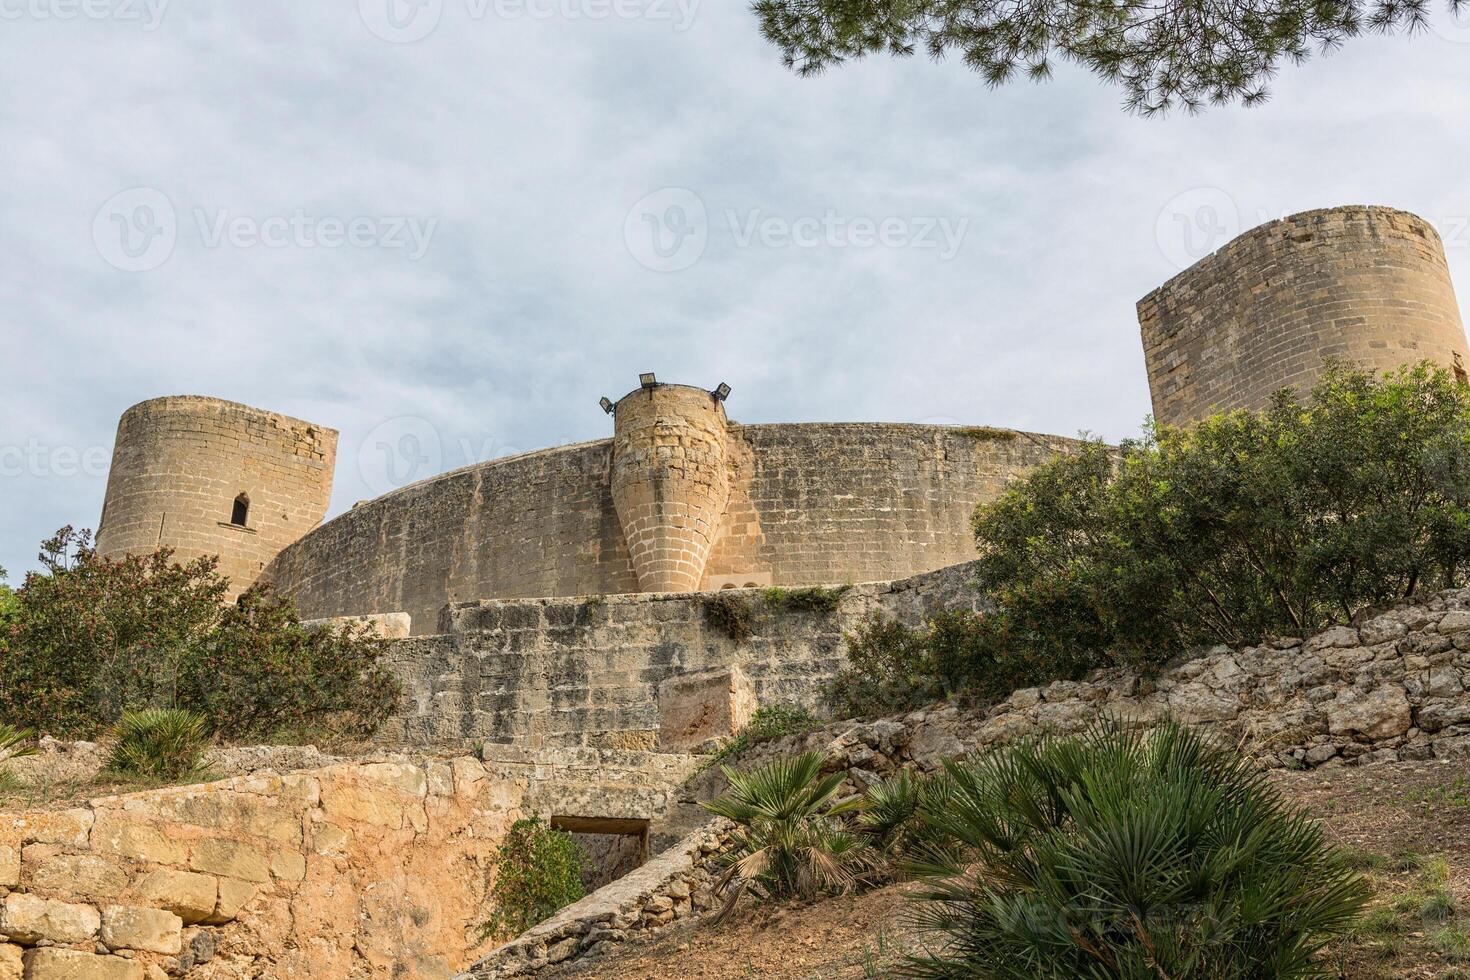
1406, 824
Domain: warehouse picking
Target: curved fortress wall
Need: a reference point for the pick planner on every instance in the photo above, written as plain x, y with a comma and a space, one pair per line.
1367, 285
808, 504
180, 465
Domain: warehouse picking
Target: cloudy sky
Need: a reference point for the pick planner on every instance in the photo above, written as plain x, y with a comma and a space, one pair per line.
465, 221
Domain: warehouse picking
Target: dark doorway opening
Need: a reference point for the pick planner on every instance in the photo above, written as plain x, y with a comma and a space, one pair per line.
614, 846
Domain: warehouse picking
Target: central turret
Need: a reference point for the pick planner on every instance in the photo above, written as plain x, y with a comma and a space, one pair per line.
670, 483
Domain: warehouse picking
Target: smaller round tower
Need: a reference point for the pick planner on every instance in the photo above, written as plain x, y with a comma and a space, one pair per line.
210, 477
670, 484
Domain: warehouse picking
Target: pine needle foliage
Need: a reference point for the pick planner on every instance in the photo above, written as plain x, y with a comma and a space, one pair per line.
1121, 855
1165, 54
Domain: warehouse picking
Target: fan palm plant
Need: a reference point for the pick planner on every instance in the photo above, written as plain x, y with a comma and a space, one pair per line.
791, 839
1123, 856
159, 743
13, 745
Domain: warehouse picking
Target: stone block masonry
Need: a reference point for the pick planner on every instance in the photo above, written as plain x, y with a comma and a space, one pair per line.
180, 465
808, 504
1364, 285
606, 672
377, 869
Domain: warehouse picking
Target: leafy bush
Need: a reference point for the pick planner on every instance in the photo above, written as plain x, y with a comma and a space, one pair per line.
817, 599
792, 840
538, 872
731, 614
1128, 855
261, 675
769, 722
159, 743
892, 667
1245, 525
94, 637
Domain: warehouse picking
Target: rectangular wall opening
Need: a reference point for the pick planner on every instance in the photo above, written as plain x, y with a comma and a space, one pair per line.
614, 846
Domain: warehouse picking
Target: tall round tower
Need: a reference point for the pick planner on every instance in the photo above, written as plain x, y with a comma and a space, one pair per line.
1366, 285
670, 483
210, 477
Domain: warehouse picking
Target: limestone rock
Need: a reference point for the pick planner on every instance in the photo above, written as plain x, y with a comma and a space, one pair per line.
70, 964
190, 896
1381, 713
29, 920
152, 930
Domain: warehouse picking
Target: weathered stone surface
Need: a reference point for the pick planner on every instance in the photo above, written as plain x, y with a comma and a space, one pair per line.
70, 964
28, 920
77, 874
190, 896
131, 927
1381, 713
12, 967
231, 859
694, 708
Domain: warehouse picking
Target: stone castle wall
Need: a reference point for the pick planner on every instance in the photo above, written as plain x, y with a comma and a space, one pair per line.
1368, 285
601, 672
180, 463
808, 504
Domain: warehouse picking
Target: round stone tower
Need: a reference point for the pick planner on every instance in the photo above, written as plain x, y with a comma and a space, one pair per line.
1366, 285
670, 484
210, 477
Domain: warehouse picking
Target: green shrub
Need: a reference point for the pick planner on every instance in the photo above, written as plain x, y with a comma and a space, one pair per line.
817, 599
791, 839
93, 637
770, 722
159, 743
733, 615
1244, 525
538, 872
262, 675
1128, 855
893, 668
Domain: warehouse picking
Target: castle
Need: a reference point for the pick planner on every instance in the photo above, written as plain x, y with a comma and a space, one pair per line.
682, 499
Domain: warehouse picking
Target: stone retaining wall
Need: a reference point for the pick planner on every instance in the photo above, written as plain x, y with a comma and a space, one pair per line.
673, 887
588, 671
361, 870
1391, 688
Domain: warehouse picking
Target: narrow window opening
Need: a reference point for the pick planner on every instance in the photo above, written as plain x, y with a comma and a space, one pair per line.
241, 511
